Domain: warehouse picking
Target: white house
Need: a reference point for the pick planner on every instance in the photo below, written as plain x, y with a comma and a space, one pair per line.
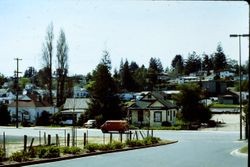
153, 109
30, 108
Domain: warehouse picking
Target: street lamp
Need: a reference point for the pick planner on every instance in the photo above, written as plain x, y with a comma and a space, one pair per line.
240, 100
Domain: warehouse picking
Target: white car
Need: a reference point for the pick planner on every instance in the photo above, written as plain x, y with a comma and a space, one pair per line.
90, 123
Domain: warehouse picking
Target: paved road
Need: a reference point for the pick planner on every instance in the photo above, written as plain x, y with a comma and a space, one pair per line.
194, 149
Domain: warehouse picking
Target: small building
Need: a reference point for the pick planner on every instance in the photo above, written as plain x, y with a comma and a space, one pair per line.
153, 109
73, 108
30, 108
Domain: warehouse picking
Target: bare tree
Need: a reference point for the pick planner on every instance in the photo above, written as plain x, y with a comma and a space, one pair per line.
47, 53
62, 67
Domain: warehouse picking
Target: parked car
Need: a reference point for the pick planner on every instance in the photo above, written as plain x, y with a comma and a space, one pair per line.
90, 123
115, 125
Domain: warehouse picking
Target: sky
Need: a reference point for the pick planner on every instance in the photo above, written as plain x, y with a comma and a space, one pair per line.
135, 30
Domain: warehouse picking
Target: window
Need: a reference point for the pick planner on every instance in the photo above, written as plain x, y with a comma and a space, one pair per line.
157, 116
171, 115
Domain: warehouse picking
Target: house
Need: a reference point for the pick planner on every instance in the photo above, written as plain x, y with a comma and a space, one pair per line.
6, 96
30, 108
73, 108
80, 92
153, 109
226, 74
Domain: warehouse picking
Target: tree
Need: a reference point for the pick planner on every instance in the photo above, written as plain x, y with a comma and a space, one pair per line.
47, 51
62, 67
5, 115
127, 81
2, 80
207, 63
193, 63
155, 67
140, 76
104, 103
220, 61
30, 72
178, 64
189, 101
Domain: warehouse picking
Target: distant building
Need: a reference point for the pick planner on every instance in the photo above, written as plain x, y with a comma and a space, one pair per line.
74, 107
30, 108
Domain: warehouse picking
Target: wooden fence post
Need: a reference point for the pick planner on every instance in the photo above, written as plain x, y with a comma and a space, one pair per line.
4, 145
84, 139
49, 140
110, 141
32, 140
25, 143
40, 138
44, 137
68, 139
57, 140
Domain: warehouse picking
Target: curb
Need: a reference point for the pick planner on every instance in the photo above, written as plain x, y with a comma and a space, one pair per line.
82, 155
237, 153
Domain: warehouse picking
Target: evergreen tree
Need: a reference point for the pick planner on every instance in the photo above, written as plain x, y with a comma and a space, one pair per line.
178, 64
193, 63
127, 81
220, 61
104, 103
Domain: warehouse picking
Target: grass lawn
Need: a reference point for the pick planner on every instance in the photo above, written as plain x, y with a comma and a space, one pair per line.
244, 149
218, 105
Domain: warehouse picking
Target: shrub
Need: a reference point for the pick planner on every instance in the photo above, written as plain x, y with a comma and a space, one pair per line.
106, 147
2, 154
19, 156
134, 143
118, 145
92, 147
49, 152
71, 150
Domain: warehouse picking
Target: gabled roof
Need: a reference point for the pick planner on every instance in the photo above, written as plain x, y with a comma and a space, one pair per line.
77, 103
146, 103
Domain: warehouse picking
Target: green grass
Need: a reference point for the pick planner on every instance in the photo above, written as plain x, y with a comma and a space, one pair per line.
244, 149
218, 105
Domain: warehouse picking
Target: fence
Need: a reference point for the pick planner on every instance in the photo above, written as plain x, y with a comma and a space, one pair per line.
65, 137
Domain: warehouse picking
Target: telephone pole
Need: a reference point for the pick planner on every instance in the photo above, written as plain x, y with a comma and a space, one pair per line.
17, 87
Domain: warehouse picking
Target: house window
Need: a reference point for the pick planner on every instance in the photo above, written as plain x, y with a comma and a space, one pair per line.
149, 96
157, 116
171, 115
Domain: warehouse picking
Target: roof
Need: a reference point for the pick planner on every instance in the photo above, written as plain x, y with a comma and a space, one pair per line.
77, 103
146, 104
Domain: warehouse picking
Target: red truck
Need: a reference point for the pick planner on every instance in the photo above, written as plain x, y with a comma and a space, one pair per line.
120, 126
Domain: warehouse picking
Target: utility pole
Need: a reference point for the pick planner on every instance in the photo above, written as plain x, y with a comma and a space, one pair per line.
17, 88
240, 96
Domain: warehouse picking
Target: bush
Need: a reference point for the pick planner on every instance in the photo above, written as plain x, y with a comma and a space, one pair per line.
118, 145
19, 156
166, 123
106, 147
92, 147
135, 143
71, 150
2, 154
49, 152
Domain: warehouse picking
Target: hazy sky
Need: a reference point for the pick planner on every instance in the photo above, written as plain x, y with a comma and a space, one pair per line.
133, 30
